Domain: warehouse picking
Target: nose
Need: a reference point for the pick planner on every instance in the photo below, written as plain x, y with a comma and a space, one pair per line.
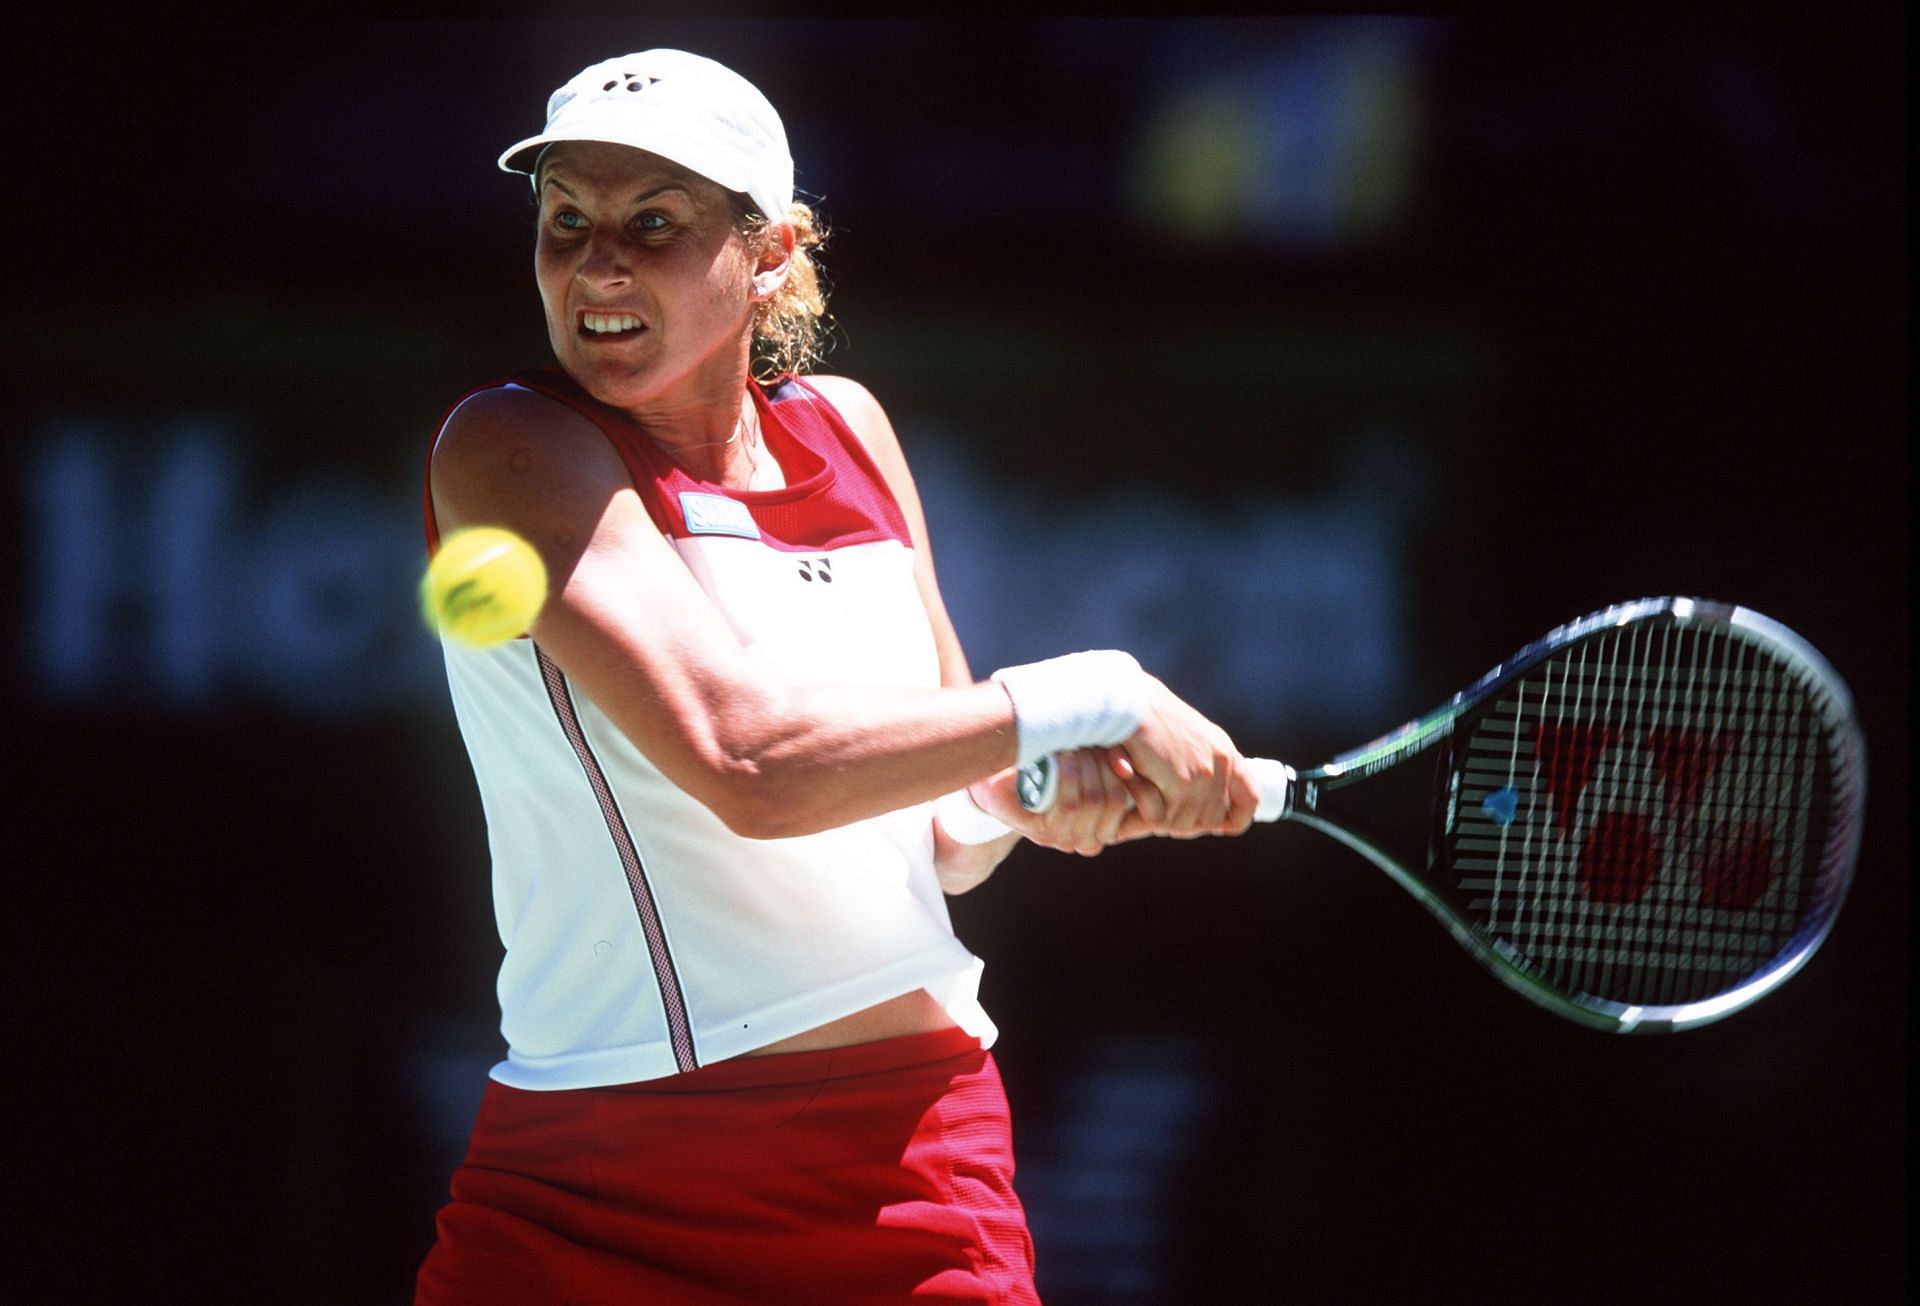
604, 265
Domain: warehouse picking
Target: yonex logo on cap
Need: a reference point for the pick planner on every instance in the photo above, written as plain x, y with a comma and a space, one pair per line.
635, 82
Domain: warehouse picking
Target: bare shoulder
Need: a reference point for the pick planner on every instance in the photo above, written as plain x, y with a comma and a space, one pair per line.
869, 421
860, 409
512, 429
513, 456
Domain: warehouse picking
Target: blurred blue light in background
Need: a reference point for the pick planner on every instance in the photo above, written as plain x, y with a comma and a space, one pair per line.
163, 570
1266, 614
161, 574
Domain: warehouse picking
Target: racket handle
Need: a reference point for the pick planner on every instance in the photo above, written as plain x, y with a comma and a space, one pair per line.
1273, 781
1038, 784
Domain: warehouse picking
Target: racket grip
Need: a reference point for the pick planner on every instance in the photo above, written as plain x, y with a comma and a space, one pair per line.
1273, 781
1038, 784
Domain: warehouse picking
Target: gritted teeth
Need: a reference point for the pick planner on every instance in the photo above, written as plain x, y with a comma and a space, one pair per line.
609, 323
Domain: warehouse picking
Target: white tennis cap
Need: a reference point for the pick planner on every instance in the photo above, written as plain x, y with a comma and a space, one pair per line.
700, 114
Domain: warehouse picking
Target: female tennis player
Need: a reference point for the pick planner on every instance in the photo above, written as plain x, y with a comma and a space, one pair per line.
741, 757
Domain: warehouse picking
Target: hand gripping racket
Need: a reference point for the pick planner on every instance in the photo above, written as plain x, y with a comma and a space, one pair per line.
1644, 821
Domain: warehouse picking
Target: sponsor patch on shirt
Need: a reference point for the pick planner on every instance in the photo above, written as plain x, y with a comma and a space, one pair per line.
715, 514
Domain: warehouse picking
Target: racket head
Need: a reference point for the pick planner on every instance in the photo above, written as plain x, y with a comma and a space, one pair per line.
1644, 821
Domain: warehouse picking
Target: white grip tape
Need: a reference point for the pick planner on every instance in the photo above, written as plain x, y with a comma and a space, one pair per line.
1273, 781
1082, 700
963, 820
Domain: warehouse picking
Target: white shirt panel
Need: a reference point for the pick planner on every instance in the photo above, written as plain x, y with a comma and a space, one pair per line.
765, 938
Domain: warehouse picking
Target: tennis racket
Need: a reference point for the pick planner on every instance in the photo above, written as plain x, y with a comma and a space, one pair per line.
1644, 821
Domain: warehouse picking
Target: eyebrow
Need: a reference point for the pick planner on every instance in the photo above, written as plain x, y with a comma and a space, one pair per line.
641, 198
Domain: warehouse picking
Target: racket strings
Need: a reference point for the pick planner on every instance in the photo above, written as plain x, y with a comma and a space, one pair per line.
1669, 787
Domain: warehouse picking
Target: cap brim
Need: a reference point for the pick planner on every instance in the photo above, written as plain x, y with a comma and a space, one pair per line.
521, 157
693, 155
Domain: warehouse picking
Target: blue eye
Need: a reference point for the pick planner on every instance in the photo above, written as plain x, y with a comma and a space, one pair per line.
652, 222
568, 220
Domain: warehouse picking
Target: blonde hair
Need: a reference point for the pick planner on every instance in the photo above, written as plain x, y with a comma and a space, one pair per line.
790, 327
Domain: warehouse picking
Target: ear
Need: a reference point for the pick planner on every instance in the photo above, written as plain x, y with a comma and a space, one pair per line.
773, 262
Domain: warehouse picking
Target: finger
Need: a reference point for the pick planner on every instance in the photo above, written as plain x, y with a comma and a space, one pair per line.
1133, 826
1115, 801
1243, 799
1119, 793
1095, 800
1238, 794
1194, 805
1117, 806
1218, 789
1207, 812
1147, 754
1149, 797
1086, 834
1067, 820
1186, 811
1200, 810
1149, 804
1067, 765
1091, 764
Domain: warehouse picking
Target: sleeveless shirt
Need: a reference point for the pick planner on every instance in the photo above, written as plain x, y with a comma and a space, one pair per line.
643, 937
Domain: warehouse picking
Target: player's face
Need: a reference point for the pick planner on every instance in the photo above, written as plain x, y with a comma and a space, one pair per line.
644, 276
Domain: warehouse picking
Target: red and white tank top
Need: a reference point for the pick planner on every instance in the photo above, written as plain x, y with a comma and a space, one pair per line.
644, 938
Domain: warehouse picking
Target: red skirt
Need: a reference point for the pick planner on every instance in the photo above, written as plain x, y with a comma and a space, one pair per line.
881, 1172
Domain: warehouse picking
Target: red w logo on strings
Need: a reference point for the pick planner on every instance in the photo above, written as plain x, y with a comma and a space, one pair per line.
1621, 853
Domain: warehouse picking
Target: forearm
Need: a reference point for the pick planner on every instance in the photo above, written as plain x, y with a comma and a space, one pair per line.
801, 760
910, 752
963, 866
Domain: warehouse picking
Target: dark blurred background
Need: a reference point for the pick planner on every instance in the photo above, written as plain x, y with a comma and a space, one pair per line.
1320, 362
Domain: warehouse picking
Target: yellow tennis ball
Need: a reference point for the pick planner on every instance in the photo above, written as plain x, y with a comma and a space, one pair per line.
484, 587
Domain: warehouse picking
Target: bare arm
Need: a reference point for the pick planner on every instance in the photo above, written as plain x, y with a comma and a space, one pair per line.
629, 624
1093, 798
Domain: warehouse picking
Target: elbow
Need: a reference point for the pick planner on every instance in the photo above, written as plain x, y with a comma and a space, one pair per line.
758, 802
761, 778
742, 773
751, 817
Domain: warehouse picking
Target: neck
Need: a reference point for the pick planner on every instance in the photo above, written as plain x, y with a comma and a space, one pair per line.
705, 419
733, 459
703, 408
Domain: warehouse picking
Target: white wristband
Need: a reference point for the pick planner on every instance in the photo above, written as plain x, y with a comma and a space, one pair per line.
963, 820
1082, 700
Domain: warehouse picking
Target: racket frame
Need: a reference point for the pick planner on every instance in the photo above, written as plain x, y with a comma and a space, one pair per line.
1287, 795
1301, 803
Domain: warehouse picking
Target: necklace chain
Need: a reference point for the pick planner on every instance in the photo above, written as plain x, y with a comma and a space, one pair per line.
739, 428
